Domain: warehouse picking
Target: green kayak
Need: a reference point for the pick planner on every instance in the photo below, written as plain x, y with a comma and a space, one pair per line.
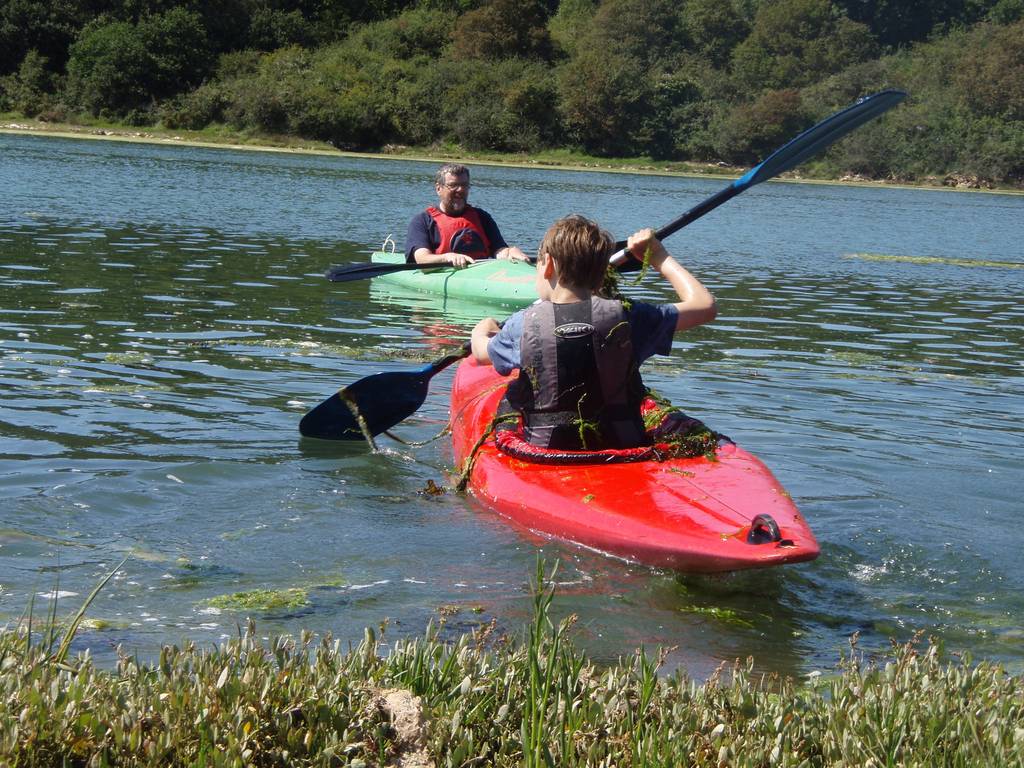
488, 282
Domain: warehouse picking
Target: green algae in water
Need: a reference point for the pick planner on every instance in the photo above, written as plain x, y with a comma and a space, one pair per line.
263, 600
138, 359
319, 349
724, 615
949, 260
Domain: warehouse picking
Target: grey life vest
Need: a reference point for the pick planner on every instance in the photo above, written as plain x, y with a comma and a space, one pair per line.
579, 387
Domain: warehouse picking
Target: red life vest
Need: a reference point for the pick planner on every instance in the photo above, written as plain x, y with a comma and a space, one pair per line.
461, 234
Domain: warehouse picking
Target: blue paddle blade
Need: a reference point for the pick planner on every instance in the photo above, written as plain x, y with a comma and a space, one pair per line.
789, 155
818, 137
381, 401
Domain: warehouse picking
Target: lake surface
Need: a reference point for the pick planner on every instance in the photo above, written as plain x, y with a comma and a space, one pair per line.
164, 324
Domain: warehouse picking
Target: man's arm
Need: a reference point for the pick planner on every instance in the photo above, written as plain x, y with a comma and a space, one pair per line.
426, 256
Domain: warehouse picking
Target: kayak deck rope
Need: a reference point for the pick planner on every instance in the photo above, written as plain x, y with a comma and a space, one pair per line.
419, 444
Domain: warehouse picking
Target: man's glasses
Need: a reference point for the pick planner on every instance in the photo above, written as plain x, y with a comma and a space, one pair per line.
463, 185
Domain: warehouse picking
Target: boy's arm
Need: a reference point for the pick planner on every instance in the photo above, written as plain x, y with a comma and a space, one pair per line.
481, 335
696, 305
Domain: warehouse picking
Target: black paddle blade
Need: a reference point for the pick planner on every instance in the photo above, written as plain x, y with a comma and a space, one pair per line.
383, 400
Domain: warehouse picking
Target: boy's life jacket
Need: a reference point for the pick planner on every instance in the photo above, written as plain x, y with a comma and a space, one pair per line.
579, 387
461, 234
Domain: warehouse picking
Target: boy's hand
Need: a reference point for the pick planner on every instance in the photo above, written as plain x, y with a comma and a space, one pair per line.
645, 245
482, 333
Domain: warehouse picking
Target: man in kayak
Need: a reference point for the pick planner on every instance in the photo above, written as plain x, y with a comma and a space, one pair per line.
579, 354
454, 232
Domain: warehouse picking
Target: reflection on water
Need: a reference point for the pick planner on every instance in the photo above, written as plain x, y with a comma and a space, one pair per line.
164, 324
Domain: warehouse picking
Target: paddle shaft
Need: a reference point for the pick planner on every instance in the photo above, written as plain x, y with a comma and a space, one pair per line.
349, 272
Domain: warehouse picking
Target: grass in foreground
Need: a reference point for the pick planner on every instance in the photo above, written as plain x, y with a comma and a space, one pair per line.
482, 701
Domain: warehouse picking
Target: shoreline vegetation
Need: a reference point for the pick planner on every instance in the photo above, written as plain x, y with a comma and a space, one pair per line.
487, 700
224, 138
700, 84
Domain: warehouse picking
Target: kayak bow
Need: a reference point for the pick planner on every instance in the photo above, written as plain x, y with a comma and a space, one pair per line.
694, 515
493, 282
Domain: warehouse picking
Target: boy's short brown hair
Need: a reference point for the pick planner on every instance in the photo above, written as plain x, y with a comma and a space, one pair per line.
580, 250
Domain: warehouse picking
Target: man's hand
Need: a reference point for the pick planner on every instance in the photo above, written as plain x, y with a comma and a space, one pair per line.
458, 260
512, 253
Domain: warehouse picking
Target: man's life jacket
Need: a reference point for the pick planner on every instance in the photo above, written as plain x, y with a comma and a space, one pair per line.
461, 234
579, 387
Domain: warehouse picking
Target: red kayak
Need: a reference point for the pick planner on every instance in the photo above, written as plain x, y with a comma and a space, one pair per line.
696, 515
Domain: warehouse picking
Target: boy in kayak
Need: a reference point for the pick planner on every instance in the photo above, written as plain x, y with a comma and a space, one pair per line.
454, 232
579, 354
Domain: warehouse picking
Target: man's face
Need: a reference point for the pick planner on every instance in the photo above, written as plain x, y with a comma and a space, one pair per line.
453, 193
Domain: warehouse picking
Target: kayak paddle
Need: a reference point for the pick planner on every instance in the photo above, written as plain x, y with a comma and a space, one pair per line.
381, 400
385, 399
789, 155
348, 272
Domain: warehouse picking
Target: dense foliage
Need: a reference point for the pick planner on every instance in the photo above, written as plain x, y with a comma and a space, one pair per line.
700, 80
486, 701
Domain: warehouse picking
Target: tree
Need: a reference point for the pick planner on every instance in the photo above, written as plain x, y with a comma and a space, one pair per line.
753, 130
896, 23
178, 53
116, 67
602, 100
46, 27
568, 24
647, 31
714, 28
990, 77
502, 29
29, 90
107, 68
797, 42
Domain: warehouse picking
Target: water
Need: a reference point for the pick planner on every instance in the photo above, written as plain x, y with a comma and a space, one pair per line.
164, 324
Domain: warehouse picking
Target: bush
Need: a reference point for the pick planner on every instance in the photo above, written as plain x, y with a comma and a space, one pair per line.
505, 105
990, 75
107, 68
29, 90
117, 68
796, 42
602, 97
196, 110
751, 131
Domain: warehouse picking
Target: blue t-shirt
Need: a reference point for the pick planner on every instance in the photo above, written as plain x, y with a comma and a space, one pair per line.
423, 233
651, 329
